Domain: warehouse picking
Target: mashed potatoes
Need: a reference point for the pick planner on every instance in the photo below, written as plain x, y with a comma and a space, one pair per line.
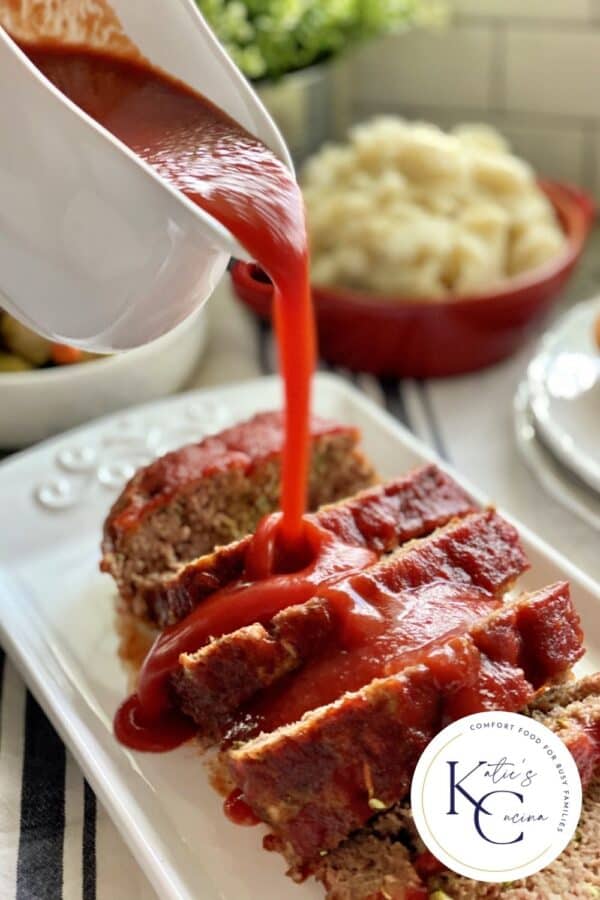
407, 209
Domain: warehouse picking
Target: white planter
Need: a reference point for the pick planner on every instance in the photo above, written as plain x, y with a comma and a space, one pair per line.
310, 106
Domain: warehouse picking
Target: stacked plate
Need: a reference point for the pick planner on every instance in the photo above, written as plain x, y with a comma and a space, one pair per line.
557, 412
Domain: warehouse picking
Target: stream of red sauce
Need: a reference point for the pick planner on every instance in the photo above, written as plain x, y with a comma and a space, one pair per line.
232, 175
263, 591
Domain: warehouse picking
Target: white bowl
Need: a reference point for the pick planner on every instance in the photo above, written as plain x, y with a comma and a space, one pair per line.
42, 402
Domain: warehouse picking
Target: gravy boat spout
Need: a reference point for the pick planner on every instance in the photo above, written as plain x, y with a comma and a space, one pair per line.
96, 250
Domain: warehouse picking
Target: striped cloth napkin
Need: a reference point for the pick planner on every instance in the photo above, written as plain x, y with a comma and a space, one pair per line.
55, 840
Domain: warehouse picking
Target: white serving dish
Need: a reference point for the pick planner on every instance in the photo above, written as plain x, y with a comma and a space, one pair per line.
564, 392
56, 622
42, 402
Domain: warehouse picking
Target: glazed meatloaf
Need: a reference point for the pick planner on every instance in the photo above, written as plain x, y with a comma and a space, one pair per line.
479, 552
317, 780
386, 859
324, 706
380, 518
187, 502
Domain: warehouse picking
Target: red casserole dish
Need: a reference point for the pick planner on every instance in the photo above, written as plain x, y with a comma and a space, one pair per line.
419, 338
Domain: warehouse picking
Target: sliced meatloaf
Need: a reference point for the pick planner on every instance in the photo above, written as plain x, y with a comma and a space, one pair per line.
480, 551
374, 864
574, 875
386, 858
318, 779
380, 518
213, 683
573, 712
552, 704
189, 501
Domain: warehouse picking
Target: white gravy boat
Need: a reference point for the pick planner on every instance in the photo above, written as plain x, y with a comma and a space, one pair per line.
96, 250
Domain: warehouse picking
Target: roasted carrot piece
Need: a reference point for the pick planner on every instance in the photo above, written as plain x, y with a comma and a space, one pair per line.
63, 355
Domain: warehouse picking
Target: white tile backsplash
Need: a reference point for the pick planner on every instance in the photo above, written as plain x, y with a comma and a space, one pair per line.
573, 10
553, 152
531, 67
595, 174
595, 11
553, 72
426, 67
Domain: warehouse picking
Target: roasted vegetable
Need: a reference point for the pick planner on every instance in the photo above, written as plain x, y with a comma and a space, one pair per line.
11, 363
63, 355
24, 342
22, 349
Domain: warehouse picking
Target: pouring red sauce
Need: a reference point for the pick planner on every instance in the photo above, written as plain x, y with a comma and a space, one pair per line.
232, 175
223, 169
394, 630
219, 166
146, 719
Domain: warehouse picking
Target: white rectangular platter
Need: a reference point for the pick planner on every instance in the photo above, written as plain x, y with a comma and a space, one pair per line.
56, 621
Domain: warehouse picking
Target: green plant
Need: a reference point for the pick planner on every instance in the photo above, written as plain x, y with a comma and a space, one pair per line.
267, 38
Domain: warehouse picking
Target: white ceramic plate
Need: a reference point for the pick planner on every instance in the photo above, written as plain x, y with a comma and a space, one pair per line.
558, 481
564, 388
56, 622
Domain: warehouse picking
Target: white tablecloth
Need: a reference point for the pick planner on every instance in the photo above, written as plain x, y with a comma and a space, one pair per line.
55, 841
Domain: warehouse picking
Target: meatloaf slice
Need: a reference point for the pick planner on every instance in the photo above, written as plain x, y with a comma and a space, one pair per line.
384, 858
380, 518
573, 711
191, 500
317, 780
212, 683
372, 865
553, 702
480, 551
574, 875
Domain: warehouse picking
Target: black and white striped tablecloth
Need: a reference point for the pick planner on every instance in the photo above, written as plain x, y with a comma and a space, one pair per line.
55, 840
